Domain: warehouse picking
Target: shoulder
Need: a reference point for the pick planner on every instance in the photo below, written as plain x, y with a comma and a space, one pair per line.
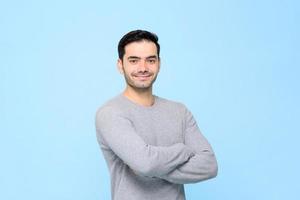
172, 105
112, 106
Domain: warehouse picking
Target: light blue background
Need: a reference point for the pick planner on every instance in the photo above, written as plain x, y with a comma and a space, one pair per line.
235, 64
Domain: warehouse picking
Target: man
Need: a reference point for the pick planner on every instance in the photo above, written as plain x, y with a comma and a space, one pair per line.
152, 146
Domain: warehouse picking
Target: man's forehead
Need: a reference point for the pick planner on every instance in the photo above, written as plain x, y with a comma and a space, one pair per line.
141, 47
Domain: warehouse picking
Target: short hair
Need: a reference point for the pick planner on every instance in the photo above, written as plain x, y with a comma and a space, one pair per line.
135, 36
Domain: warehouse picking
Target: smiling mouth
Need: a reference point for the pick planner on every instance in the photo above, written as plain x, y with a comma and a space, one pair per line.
142, 75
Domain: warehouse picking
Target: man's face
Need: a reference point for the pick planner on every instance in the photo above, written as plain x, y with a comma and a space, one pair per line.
140, 64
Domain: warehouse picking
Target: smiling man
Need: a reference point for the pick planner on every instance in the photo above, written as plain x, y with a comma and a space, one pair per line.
152, 145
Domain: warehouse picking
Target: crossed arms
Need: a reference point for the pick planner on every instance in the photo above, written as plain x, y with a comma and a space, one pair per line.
180, 163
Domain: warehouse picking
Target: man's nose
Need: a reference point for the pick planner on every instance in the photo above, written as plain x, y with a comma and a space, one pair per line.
143, 66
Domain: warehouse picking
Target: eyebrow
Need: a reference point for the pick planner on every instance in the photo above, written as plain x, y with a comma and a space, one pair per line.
136, 57
152, 57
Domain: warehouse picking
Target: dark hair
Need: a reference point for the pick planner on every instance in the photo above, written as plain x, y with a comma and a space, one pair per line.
134, 36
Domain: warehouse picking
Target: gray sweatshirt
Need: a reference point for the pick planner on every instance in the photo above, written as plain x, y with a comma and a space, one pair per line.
152, 151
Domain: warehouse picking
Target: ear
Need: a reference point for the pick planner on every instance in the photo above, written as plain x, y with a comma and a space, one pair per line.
120, 66
159, 62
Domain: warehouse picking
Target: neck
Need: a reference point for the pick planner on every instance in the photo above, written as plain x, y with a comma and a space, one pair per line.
143, 97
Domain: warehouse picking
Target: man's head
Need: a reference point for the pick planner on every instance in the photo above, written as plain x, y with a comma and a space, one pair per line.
137, 36
139, 59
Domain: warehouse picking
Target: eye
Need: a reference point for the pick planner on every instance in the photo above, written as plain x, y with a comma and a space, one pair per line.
133, 61
151, 61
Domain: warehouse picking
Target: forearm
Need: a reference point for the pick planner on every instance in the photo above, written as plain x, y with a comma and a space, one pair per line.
198, 168
159, 161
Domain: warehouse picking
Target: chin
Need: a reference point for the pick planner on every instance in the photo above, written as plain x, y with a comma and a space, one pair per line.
141, 87
145, 87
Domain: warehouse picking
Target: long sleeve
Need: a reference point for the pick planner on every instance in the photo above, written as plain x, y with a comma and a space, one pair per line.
200, 167
119, 134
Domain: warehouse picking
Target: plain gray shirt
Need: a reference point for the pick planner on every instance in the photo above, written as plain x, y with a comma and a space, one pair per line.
152, 151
